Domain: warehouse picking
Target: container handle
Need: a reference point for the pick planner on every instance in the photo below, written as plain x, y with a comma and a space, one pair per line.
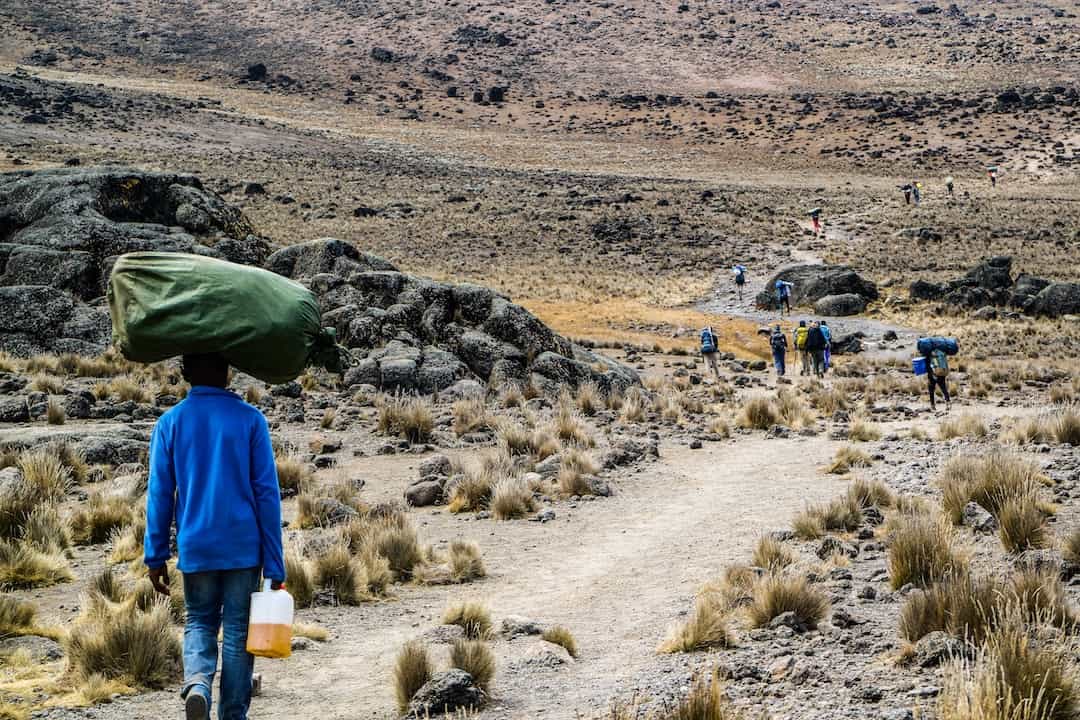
266, 585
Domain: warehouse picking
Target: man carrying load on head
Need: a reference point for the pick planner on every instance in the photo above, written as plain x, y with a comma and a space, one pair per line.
212, 470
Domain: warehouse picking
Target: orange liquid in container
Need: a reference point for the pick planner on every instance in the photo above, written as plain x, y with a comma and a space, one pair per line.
270, 641
270, 623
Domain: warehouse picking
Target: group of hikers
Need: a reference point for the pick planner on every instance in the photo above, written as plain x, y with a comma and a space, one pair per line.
913, 190
812, 342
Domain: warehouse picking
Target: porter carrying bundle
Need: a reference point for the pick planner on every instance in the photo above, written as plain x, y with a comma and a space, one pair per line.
168, 304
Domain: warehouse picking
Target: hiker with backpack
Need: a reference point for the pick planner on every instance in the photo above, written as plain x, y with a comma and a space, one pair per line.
740, 278
710, 347
815, 218
906, 189
828, 344
992, 173
778, 344
783, 296
949, 186
815, 349
916, 191
799, 335
934, 362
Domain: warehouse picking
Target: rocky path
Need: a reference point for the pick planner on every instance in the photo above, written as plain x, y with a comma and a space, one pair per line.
677, 522
725, 301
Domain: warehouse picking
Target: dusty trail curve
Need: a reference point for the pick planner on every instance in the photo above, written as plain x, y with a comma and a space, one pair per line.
617, 572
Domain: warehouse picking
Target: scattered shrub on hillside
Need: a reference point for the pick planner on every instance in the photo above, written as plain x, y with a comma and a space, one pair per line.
121, 642
561, 636
475, 658
412, 670
848, 458
511, 500
589, 399
54, 413
922, 550
774, 595
45, 473
771, 554
46, 531
22, 566
472, 617
301, 586
466, 563
863, 431
963, 606
758, 414
707, 627
1022, 524
988, 480
16, 616
865, 493
967, 425
100, 518
410, 418
336, 570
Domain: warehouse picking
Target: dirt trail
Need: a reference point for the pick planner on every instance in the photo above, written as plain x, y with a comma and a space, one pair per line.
676, 523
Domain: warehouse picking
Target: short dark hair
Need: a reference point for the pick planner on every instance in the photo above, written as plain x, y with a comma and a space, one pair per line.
205, 363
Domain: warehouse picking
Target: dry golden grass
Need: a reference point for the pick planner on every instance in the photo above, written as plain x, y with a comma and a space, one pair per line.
336, 570
473, 490
758, 414
1071, 547
707, 627
311, 632
512, 499
100, 518
569, 428
23, 566
388, 535
121, 642
45, 473
848, 458
1022, 524
589, 399
45, 530
841, 514
126, 389
299, 580
966, 425
54, 413
771, 554
294, 475
410, 418
561, 636
471, 415
776, 594
988, 480
253, 394
17, 617
863, 431
808, 525
472, 617
475, 658
961, 605
1012, 678
633, 407
47, 384
328, 419
574, 472
412, 670
871, 493
96, 690
922, 550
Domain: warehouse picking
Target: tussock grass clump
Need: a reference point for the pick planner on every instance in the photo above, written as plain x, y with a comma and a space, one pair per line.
16, 616
1012, 678
771, 554
575, 468
511, 500
294, 475
963, 606
758, 414
54, 413
1039, 595
22, 566
1067, 427
777, 594
808, 524
336, 570
127, 542
47, 384
45, 473
466, 563
633, 407
707, 627
473, 617
471, 415
390, 535
473, 490
121, 642
412, 670
378, 574
100, 518
719, 427
127, 389
922, 550
871, 493
1070, 547
253, 395
328, 419
410, 418
301, 585
841, 514
863, 431
108, 586
847, 458
570, 429
589, 399
1022, 524
514, 440
475, 658
561, 636
966, 425
988, 480
46, 531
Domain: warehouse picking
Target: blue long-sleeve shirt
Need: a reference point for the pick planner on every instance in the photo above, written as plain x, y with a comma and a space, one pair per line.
212, 469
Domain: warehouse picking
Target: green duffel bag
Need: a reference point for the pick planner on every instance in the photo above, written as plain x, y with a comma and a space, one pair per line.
168, 304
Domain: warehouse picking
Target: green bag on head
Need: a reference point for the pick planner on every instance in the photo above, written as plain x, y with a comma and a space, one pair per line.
168, 304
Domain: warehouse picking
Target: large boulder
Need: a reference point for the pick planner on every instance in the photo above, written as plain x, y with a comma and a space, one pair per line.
992, 274
1025, 289
811, 283
840, 305
1056, 299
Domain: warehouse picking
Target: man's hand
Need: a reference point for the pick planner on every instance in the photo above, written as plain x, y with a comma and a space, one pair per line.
276, 584
159, 578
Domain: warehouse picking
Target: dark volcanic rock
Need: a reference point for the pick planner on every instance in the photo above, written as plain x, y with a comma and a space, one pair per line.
1056, 299
840, 305
813, 282
446, 692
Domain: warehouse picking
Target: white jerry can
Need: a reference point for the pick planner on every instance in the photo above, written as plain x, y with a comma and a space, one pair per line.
270, 623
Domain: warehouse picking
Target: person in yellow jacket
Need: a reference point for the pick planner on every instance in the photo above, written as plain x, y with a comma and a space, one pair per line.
799, 336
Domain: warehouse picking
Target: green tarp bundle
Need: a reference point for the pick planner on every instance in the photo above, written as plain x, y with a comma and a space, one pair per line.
168, 304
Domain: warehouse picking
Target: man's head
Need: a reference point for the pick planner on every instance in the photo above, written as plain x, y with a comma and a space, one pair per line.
824, 324
209, 369
776, 329
802, 323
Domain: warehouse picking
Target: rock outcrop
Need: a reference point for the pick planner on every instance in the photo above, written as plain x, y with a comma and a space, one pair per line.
62, 230
811, 283
991, 284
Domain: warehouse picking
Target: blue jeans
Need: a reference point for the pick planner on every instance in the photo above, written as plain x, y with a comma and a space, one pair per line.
778, 361
219, 600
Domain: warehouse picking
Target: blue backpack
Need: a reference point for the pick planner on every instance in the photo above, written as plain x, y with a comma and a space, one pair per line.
708, 341
927, 345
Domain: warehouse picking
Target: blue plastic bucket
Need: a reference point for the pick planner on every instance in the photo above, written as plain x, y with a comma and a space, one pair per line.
918, 364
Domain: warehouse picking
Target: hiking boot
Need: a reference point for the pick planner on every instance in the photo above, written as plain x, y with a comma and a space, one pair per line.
196, 707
